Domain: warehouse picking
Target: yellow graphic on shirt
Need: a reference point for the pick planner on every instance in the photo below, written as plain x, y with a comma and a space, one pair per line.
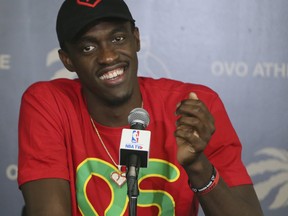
96, 167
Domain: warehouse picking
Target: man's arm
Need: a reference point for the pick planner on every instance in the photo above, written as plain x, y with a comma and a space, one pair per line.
47, 197
195, 128
223, 200
219, 201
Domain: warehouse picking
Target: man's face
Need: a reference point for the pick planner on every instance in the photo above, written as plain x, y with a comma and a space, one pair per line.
105, 59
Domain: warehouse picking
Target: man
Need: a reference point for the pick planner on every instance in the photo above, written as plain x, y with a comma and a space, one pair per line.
70, 130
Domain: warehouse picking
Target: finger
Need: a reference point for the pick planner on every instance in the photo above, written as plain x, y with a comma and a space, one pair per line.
188, 107
195, 133
198, 128
195, 108
190, 121
189, 124
194, 123
189, 137
187, 133
193, 95
192, 107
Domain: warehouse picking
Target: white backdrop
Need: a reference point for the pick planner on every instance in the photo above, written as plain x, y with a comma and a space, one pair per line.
239, 48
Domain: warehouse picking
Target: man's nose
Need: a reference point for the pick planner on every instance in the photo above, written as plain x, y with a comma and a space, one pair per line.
107, 55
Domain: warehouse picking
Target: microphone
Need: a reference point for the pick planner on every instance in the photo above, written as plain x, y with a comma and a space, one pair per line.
136, 140
134, 152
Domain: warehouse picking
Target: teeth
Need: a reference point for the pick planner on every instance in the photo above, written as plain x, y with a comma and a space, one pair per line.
112, 74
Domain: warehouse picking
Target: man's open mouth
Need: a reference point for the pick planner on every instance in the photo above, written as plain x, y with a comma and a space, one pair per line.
110, 75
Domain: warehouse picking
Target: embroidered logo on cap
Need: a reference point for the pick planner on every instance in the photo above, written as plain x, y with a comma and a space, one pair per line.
88, 3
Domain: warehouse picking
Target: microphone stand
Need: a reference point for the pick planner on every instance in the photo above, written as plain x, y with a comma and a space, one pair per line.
132, 183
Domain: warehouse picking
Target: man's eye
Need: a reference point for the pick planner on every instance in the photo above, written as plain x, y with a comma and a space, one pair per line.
88, 48
118, 39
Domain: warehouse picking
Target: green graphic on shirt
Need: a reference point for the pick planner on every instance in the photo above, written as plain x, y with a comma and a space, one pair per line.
95, 167
163, 200
101, 169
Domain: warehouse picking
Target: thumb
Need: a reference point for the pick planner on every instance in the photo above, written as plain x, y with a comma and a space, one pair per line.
193, 95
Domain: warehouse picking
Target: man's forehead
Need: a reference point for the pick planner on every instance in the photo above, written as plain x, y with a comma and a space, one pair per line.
103, 28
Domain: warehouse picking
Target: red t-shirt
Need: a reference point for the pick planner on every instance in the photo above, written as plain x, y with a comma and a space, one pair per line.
57, 140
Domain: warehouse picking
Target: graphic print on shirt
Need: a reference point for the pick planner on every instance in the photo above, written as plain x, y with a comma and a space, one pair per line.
93, 167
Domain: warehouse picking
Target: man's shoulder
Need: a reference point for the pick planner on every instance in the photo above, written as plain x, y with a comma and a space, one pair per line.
53, 85
176, 86
58, 88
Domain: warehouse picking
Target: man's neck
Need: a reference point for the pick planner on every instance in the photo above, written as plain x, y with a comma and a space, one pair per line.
115, 115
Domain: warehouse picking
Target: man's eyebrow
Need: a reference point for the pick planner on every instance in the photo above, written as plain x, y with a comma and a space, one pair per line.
121, 28
92, 39
86, 38
89, 38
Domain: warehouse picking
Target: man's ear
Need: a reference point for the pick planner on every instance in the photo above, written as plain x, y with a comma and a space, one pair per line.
137, 38
66, 60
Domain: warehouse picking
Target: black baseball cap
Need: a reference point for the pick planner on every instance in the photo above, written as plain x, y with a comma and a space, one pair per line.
75, 15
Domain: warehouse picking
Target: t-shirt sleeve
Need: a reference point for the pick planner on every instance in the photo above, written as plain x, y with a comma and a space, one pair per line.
224, 149
42, 150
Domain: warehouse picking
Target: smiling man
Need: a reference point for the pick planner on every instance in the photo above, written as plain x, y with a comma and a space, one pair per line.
70, 130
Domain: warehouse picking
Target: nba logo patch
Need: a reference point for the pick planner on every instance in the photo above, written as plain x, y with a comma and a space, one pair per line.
135, 136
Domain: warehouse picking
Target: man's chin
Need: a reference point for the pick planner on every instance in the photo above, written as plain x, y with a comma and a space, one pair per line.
118, 101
